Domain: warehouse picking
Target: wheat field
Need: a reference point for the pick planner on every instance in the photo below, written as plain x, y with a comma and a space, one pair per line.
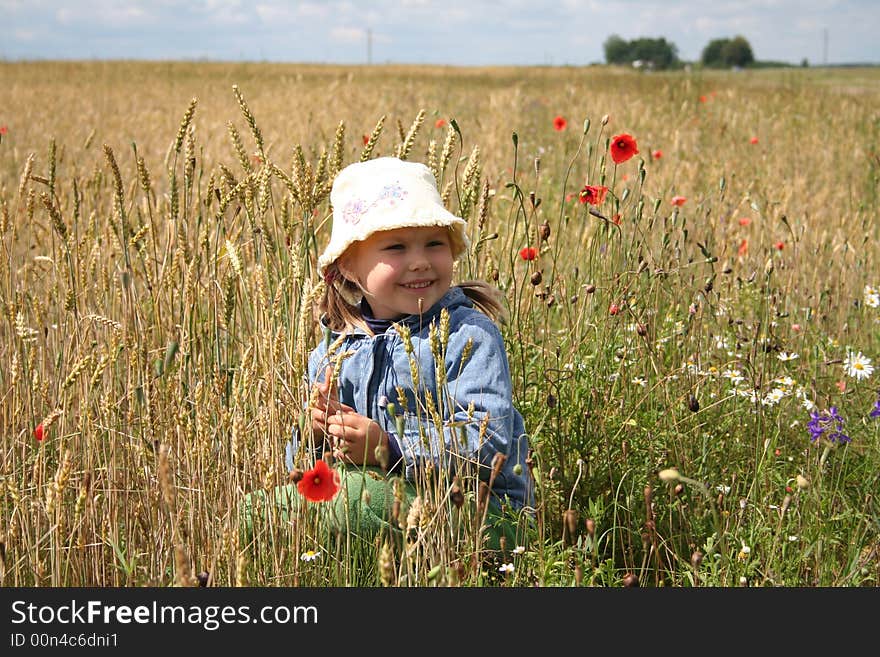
676, 354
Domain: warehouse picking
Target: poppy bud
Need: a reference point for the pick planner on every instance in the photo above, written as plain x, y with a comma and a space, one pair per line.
295, 475
517, 469
693, 404
551, 401
590, 524
550, 301
544, 231
631, 581
678, 490
613, 309
641, 329
696, 559
498, 463
456, 496
203, 577
589, 289
494, 275
570, 518
536, 278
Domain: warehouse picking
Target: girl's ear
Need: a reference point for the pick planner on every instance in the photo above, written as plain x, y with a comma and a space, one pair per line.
343, 264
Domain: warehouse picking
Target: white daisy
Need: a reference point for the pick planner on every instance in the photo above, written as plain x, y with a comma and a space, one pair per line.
721, 488
735, 376
774, 396
640, 381
309, 555
858, 366
785, 356
519, 549
506, 568
785, 381
872, 300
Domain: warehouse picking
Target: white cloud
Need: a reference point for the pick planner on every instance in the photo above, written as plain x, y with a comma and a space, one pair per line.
348, 35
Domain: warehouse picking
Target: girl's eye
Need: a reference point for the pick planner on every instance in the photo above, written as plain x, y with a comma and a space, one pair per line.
436, 243
393, 247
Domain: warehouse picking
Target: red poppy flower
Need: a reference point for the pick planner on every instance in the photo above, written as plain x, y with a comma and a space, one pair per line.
613, 309
366, 139
320, 484
616, 219
702, 99
841, 385
743, 248
657, 154
788, 489
559, 124
623, 147
439, 123
3, 130
744, 221
38, 432
678, 200
593, 195
568, 197
779, 246
528, 253
753, 140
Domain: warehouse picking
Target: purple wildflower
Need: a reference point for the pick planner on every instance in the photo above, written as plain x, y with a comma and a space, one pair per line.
827, 424
875, 412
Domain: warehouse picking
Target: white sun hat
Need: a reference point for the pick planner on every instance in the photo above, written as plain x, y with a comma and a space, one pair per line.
383, 194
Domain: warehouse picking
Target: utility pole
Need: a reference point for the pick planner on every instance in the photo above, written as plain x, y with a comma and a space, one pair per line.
369, 46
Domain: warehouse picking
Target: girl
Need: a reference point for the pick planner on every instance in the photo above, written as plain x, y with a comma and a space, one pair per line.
413, 375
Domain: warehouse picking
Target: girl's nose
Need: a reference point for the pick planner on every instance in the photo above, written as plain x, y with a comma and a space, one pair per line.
419, 261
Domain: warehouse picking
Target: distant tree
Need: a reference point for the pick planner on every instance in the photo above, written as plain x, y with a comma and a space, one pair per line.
617, 50
712, 53
738, 52
656, 53
724, 53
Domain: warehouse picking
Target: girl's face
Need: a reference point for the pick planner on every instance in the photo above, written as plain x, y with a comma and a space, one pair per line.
395, 268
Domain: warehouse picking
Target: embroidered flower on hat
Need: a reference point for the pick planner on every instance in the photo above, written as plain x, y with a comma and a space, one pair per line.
355, 209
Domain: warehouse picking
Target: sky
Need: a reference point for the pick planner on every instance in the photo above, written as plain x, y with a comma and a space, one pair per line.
451, 32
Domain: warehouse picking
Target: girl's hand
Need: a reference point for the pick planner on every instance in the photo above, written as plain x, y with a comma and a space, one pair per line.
355, 435
325, 393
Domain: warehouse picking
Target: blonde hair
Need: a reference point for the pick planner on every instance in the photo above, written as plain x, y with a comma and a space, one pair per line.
340, 311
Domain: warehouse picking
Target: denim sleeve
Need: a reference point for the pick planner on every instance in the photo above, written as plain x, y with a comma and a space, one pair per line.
483, 380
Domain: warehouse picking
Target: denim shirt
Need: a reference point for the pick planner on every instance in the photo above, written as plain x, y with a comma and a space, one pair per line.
376, 365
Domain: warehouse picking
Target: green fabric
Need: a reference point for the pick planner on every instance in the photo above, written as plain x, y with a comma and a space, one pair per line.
348, 511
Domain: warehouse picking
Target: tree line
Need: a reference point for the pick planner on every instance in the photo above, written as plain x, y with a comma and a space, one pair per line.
662, 54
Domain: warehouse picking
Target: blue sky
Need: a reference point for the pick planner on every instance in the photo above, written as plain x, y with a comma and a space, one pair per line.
455, 32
